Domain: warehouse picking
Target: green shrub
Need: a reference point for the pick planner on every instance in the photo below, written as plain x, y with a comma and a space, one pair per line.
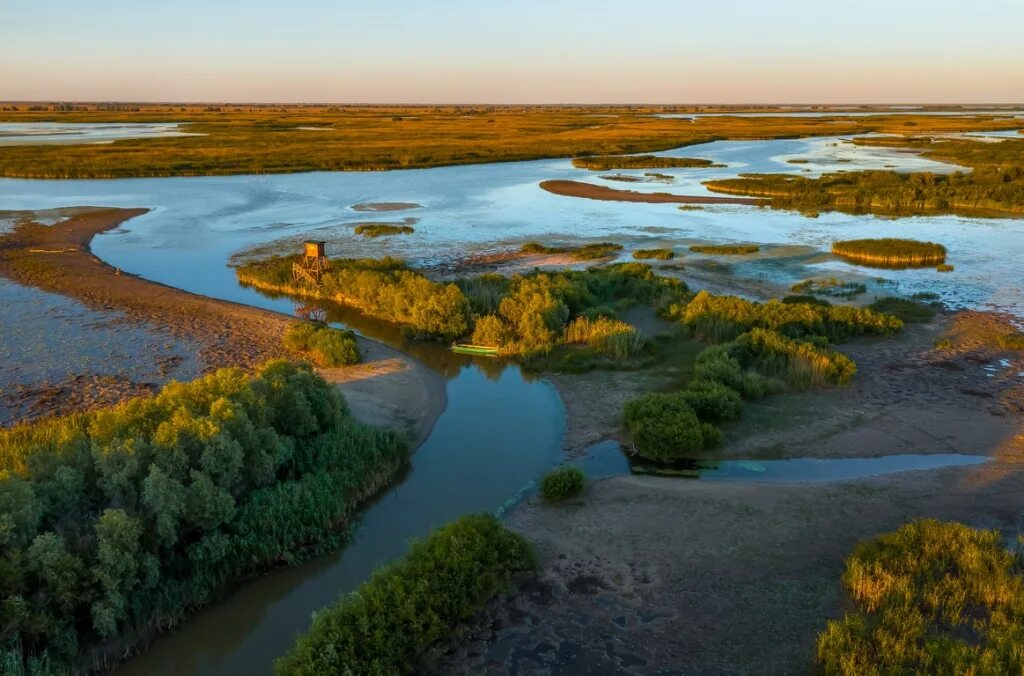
324, 346
121, 521
562, 483
386, 625
663, 426
931, 598
711, 400
802, 299
656, 254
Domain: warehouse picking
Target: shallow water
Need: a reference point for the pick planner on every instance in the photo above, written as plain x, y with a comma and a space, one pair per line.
48, 133
855, 113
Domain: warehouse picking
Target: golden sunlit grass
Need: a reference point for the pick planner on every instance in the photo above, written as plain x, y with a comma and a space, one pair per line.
270, 139
891, 252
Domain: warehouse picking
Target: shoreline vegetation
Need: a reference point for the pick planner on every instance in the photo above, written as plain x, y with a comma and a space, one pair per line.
994, 186
599, 192
382, 229
891, 252
262, 139
725, 249
608, 162
121, 522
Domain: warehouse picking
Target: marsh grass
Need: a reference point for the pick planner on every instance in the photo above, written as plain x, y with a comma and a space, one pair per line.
725, 249
1011, 341
800, 363
656, 254
383, 229
909, 310
585, 252
891, 252
830, 286
607, 162
610, 337
930, 598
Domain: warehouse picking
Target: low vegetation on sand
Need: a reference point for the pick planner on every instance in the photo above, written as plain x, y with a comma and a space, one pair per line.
262, 139
607, 162
993, 187
725, 249
1011, 341
831, 286
891, 252
585, 252
931, 598
119, 522
383, 229
656, 254
908, 310
388, 623
562, 483
322, 345
383, 288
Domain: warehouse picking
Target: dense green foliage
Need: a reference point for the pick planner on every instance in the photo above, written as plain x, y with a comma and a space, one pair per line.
606, 162
830, 286
891, 252
799, 362
119, 522
909, 311
383, 229
405, 607
995, 186
663, 426
539, 311
656, 254
723, 318
562, 483
382, 288
322, 345
931, 598
725, 249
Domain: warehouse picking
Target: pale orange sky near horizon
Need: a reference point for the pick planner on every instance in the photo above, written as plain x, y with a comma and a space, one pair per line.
512, 52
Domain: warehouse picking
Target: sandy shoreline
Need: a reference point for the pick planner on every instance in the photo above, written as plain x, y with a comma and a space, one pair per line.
389, 388
599, 192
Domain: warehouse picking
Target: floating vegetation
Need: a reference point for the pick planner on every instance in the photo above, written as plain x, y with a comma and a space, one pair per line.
797, 160
383, 229
579, 253
690, 207
725, 249
606, 162
930, 598
891, 252
944, 267
830, 286
562, 483
656, 254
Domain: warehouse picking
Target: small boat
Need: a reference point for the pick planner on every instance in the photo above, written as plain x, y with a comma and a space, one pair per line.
466, 348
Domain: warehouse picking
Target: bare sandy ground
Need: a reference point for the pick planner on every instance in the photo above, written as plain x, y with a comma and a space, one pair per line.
389, 388
600, 192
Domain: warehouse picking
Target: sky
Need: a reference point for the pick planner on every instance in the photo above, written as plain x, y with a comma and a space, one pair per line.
517, 51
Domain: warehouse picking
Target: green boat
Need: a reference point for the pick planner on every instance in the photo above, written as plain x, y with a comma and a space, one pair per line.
466, 348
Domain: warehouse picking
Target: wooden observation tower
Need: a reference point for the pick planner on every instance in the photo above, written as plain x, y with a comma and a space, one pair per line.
313, 264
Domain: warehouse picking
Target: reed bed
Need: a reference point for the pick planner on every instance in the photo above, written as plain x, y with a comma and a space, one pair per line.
891, 252
725, 249
607, 162
655, 254
383, 229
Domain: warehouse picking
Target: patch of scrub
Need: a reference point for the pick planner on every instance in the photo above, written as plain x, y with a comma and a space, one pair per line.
385, 206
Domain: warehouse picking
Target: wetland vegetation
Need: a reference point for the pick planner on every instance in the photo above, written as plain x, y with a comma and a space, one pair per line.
725, 249
119, 522
260, 139
607, 162
891, 252
656, 254
322, 345
932, 597
388, 624
383, 229
562, 483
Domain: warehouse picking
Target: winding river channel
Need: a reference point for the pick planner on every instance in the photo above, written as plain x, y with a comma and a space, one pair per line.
502, 428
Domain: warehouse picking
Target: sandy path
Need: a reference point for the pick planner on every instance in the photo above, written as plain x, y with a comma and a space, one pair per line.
600, 192
389, 388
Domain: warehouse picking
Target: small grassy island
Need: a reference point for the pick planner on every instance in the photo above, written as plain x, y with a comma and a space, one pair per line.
656, 254
725, 249
383, 229
891, 252
586, 252
607, 162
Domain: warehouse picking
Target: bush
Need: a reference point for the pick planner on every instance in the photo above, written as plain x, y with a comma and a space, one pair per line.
663, 426
562, 483
121, 521
611, 337
712, 400
386, 625
1011, 341
324, 346
931, 598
